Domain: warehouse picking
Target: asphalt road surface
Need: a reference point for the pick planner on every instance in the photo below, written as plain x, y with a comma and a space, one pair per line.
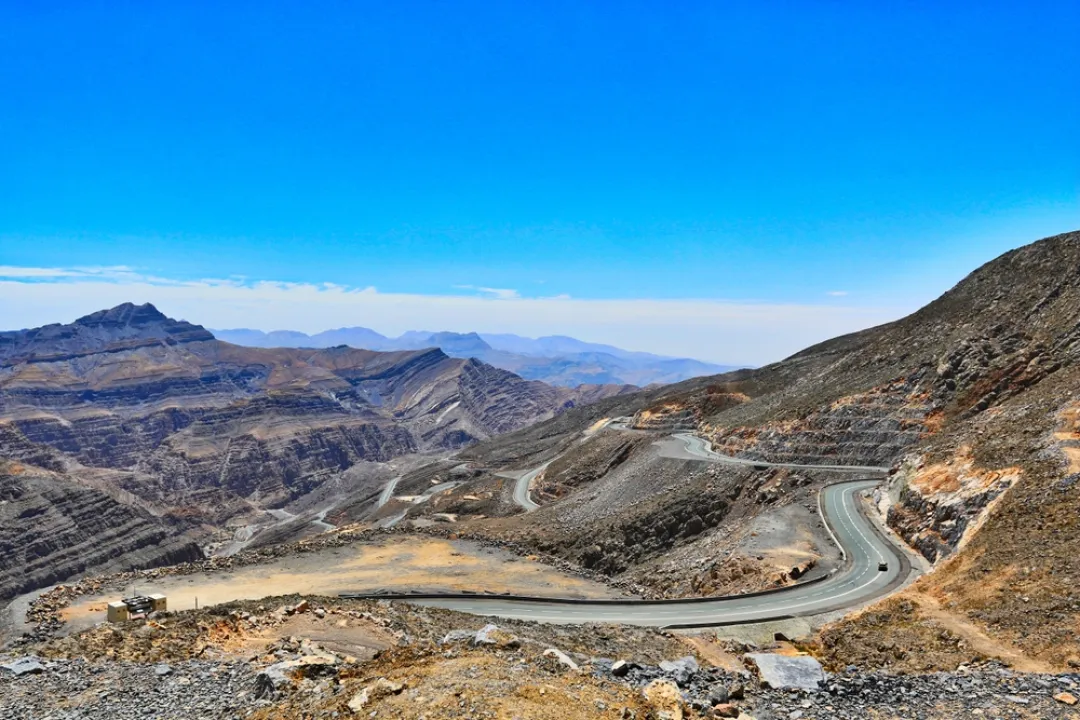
521, 489
387, 493
701, 449
859, 581
864, 547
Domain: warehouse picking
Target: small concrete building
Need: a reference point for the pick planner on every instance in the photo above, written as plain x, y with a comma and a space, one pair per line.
118, 612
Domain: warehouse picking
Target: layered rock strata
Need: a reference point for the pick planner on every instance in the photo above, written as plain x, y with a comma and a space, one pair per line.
131, 389
53, 529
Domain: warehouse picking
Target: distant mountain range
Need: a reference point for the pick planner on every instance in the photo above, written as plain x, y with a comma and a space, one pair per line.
555, 359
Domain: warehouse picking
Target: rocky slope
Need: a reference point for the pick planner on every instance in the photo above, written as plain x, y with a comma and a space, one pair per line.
864, 398
52, 528
619, 503
972, 401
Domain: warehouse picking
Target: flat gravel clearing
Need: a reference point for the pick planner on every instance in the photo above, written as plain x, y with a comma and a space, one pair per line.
409, 563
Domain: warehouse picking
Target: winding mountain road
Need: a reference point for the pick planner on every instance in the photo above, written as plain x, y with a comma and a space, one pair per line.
864, 547
860, 580
388, 492
521, 489
694, 448
698, 448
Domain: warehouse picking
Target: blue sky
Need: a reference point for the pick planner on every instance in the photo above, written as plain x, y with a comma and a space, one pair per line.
849, 161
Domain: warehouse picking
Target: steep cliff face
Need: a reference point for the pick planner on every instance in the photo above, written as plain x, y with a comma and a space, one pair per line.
17, 447
991, 490
994, 501
52, 529
972, 399
936, 506
129, 388
487, 395
274, 454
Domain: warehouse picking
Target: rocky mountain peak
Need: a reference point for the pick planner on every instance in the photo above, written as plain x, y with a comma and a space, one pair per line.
125, 314
124, 326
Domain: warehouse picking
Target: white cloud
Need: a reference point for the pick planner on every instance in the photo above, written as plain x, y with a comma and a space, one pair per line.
11, 271
500, 293
837, 293
7, 271
718, 330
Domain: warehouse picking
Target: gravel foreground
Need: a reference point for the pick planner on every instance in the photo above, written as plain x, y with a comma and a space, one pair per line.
195, 690
70, 689
298, 658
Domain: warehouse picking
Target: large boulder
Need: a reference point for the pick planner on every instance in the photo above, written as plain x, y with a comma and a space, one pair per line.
284, 674
783, 672
492, 635
489, 636
29, 665
561, 658
458, 636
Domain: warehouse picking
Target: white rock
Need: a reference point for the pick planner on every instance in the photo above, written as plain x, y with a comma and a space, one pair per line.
376, 690
782, 672
562, 657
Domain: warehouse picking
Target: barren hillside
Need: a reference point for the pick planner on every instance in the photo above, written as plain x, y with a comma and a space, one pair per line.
972, 401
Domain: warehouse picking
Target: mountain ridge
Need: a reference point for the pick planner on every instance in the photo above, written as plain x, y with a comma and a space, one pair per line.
555, 359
